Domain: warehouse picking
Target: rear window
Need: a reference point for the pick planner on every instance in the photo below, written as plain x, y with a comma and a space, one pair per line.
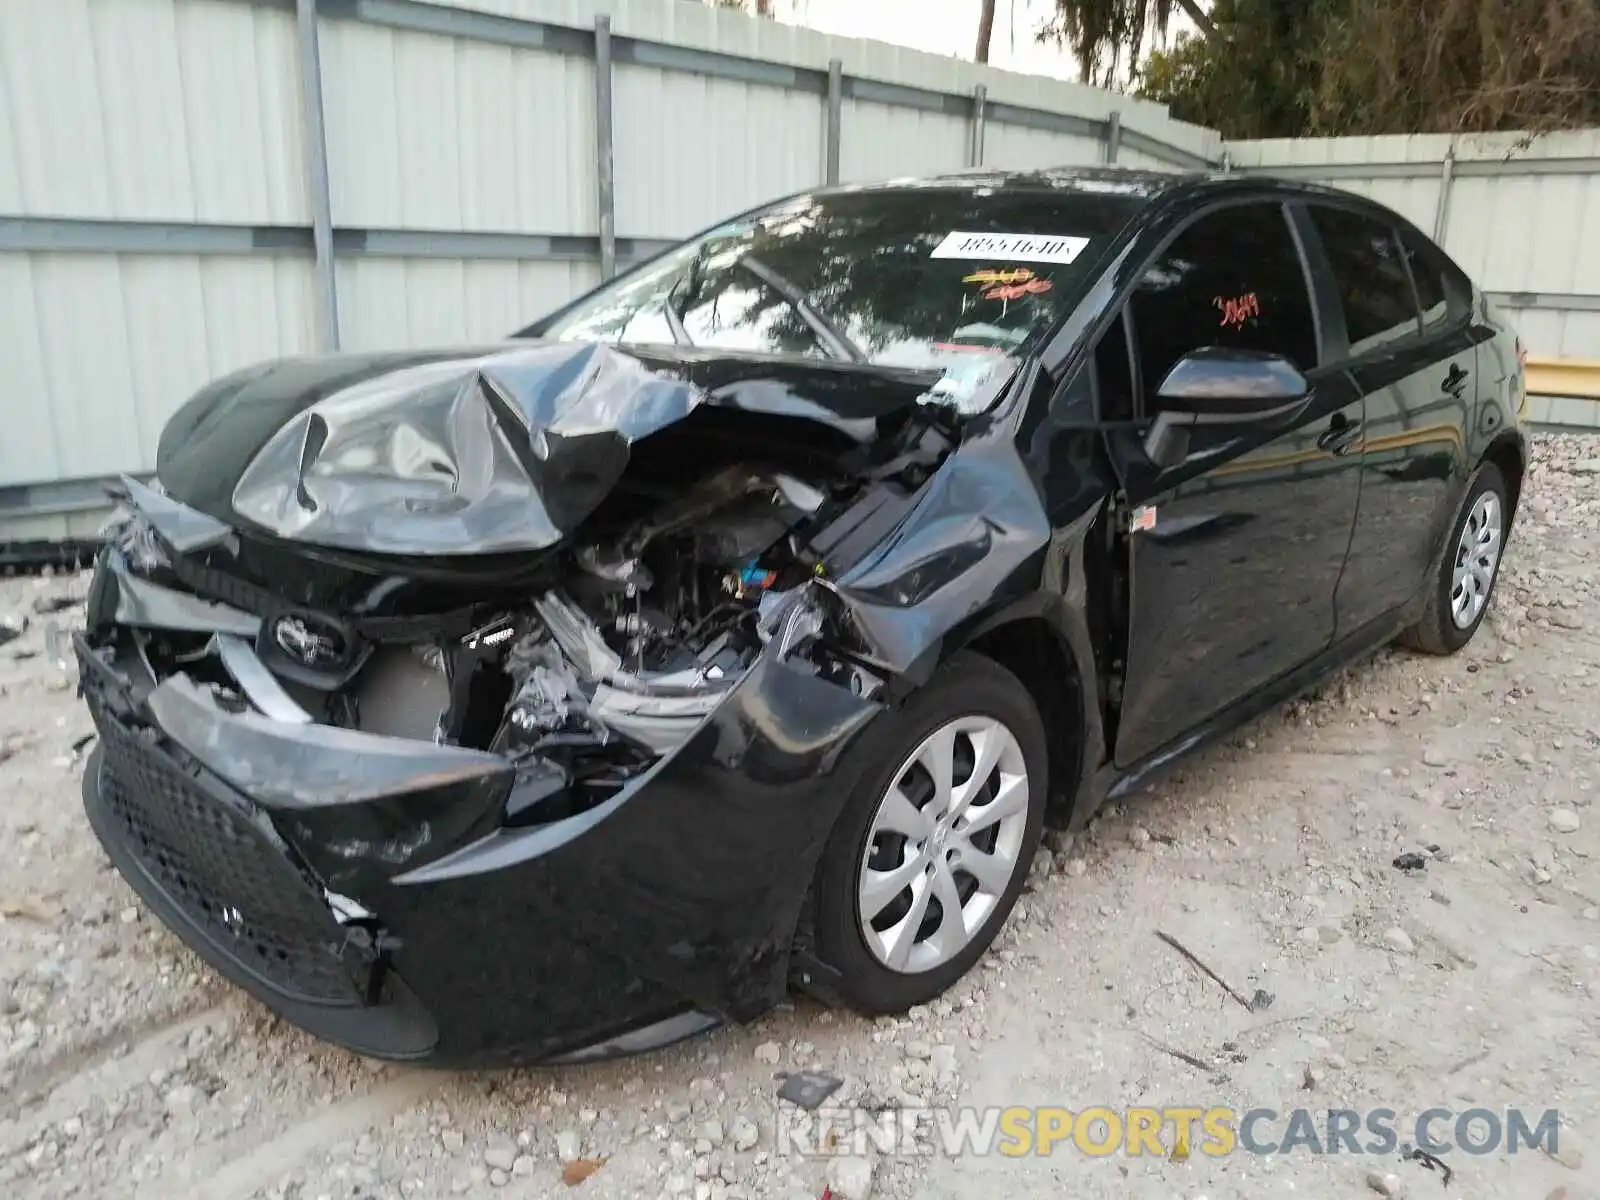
1442, 291
961, 281
1374, 287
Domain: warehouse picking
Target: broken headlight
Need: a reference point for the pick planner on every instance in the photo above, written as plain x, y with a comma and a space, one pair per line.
130, 533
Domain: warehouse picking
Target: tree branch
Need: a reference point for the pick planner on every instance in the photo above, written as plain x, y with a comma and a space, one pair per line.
1201, 19
985, 30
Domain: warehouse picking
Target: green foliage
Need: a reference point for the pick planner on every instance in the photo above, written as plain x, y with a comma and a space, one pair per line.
1104, 34
1257, 74
1287, 68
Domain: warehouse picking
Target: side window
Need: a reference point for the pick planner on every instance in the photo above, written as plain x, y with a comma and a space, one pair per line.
1233, 278
1113, 370
1370, 275
1442, 294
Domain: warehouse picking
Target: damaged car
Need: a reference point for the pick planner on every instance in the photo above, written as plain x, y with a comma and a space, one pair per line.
735, 629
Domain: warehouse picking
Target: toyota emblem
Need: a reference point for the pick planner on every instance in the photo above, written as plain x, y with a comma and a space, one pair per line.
309, 643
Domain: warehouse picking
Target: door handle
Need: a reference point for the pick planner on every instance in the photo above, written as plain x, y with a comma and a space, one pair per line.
1341, 435
1455, 380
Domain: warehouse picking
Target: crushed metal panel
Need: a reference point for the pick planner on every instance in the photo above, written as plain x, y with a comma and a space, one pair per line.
456, 452
297, 766
978, 526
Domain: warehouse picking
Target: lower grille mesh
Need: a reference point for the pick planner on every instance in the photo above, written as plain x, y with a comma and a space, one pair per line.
224, 870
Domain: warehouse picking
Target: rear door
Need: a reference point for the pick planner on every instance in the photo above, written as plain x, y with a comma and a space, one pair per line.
1236, 558
1402, 332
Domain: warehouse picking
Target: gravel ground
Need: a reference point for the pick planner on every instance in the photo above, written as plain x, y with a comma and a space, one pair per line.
127, 1069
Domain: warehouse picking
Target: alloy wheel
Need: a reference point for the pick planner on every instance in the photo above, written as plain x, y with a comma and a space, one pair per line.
1477, 557
944, 844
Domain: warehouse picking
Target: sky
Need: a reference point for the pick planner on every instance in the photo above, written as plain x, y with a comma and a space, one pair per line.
945, 27
941, 27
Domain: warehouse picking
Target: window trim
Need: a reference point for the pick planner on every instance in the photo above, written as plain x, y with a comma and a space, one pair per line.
1411, 278
1130, 334
1335, 349
1092, 366
1318, 330
1458, 286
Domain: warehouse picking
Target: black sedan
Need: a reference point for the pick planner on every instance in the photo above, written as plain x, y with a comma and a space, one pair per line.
736, 628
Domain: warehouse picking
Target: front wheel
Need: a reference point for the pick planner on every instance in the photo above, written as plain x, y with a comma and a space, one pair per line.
934, 845
1459, 597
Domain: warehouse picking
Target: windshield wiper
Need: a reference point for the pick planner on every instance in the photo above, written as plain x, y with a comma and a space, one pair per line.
834, 342
669, 309
690, 283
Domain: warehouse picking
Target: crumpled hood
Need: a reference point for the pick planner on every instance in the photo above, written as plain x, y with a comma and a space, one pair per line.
490, 450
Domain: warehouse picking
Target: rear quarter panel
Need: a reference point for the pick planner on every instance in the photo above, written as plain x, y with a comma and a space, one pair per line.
1502, 384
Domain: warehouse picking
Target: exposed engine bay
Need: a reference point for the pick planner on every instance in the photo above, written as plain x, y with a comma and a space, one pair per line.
650, 629
585, 661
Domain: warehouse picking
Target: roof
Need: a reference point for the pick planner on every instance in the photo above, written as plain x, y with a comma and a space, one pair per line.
1130, 181
1136, 183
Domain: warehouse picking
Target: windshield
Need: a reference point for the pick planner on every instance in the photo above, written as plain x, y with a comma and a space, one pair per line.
960, 281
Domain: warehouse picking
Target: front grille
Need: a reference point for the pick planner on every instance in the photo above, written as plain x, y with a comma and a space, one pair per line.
224, 867
232, 589
221, 586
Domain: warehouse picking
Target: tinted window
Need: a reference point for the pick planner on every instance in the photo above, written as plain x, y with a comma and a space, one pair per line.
1370, 275
1233, 278
959, 281
1114, 373
1439, 291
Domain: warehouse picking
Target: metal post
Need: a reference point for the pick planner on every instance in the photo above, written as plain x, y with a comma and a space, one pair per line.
1441, 212
1113, 138
835, 117
604, 176
316, 166
980, 117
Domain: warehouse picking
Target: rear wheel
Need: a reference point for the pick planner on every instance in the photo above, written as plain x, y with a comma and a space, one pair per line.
1468, 569
934, 846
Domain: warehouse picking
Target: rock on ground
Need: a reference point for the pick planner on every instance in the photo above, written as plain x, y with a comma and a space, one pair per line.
850, 1177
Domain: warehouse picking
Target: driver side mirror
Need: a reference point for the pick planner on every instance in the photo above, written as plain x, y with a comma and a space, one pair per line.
1216, 385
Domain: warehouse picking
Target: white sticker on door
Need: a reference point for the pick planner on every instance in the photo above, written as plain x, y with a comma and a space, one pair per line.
1011, 247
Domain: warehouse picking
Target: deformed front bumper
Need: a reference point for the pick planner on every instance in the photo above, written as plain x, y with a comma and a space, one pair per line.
374, 892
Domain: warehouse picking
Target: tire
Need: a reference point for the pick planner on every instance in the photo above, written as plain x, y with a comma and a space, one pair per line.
970, 705
1440, 631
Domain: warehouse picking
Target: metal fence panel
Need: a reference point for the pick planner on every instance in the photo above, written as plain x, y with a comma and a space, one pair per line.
29, 448
431, 132
1529, 233
1556, 333
100, 348
150, 109
692, 149
388, 302
1020, 148
168, 211
1146, 162
883, 141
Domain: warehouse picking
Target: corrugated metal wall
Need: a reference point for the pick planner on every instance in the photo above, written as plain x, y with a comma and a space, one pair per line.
139, 112
161, 192
158, 205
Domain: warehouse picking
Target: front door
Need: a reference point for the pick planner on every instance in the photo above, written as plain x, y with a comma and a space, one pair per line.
1236, 552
